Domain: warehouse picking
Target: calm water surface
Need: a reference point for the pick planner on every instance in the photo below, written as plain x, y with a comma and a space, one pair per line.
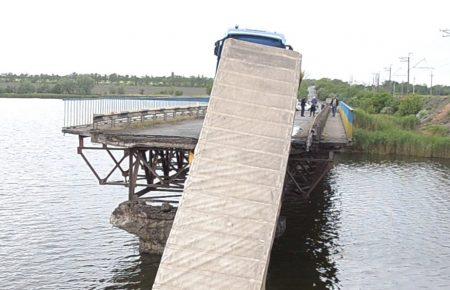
372, 224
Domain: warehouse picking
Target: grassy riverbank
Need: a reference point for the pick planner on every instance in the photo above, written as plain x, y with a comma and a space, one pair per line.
387, 134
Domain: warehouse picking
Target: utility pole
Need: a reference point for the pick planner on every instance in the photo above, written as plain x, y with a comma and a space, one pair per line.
431, 76
375, 81
390, 72
389, 69
407, 59
431, 82
378, 80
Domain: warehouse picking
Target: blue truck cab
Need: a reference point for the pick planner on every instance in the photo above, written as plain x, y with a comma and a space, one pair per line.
256, 36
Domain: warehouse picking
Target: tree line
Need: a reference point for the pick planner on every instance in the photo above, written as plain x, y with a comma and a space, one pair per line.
84, 83
389, 97
333, 87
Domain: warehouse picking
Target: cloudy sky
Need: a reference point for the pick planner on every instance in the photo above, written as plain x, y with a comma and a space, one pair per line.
349, 40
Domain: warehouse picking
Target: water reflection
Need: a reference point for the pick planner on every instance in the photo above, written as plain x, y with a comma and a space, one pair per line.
304, 256
136, 274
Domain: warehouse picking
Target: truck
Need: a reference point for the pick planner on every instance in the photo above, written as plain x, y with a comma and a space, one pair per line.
251, 35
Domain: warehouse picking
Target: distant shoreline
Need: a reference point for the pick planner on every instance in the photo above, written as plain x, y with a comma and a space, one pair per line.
74, 96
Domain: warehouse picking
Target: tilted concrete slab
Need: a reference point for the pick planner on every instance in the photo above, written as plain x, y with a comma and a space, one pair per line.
223, 231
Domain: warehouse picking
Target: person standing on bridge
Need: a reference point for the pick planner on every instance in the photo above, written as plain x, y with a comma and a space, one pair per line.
334, 105
312, 110
302, 106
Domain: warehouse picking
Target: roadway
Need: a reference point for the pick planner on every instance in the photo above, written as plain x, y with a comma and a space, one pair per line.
184, 134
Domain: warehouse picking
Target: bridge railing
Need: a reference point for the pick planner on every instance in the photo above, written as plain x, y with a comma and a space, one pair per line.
79, 112
348, 118
315, 132
164, 114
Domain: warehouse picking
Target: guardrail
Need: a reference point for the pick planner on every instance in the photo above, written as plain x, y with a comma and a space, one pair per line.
348, 118
79, 112
315, 132
129, 118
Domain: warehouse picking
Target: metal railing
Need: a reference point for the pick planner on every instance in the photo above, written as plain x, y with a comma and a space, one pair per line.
315, 132
79, 112
166, 114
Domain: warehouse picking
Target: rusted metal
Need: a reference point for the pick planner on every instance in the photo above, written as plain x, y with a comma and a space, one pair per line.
150, 169
305, 171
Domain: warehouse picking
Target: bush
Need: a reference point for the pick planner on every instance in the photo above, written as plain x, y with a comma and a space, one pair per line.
401, 142
387, 110
9, 89
437, 130
120, 90
410, 105
374, 122
373, 102
25, 87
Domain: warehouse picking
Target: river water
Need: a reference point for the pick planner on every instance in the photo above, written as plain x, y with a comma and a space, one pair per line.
372, 224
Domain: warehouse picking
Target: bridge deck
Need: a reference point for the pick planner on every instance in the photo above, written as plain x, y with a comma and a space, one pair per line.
334, 131
184, 134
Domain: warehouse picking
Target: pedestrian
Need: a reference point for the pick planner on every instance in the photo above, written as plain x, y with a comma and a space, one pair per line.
302, 106
312, 110
334, 105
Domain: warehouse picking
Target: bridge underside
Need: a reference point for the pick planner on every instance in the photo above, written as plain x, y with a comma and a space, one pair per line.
154, 159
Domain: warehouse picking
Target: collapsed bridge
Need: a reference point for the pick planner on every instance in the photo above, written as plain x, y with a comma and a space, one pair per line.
249, 146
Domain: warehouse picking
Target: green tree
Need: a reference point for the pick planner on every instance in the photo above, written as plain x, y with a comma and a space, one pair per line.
208, 89
85, 84
57, 89
25, 87
67, 86
410, 105
121, 90
43, 88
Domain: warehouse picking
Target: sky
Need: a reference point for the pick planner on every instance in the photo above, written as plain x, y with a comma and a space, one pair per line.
348, 40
